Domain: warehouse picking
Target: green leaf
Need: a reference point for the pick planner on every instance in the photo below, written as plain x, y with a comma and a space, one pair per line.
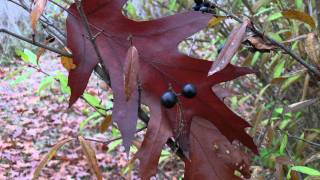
304, 170
63, 82
284, 143
290, 81
172, 5
92, 100
86, 121
299, 4
255, 58
131, 10
31, 56
278, 69
275, 16
22, 77
45, 82
22, 55
113, 145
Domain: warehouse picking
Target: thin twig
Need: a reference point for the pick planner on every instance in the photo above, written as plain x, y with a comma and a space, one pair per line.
58, 51
112, 140
300, 139
45, 22
91, 37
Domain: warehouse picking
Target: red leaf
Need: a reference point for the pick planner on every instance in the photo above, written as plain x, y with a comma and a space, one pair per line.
230, 48
212, 156
161, 66
131, 69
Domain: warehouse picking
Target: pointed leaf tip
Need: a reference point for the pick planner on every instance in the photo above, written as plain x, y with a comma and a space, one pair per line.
230, 48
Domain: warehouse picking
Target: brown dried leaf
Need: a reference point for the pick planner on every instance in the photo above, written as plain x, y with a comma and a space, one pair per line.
67, 63
230, 48
299, 105
260, 44
312, 47
300, 16
105, 123
49, 156
91, 156
36, 12
131, 70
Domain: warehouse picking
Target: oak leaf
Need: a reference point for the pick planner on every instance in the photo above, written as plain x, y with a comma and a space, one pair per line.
161, 66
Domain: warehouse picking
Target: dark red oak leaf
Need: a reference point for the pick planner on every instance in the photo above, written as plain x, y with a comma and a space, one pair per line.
212, 155
161, 66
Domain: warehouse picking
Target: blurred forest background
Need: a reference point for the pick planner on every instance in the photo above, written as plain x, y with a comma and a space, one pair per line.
281, 101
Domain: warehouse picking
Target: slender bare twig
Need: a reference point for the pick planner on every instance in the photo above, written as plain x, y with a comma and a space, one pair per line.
300, 139
58, 51
111, 140
91, 37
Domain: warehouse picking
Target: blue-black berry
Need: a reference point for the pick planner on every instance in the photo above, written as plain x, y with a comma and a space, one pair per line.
189, 91
169, 99
197, 7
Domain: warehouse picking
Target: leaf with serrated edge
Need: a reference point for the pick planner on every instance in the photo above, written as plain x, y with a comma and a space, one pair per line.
91, 157
49, 156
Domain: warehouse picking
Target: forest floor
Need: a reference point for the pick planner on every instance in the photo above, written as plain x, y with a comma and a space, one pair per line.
32, 123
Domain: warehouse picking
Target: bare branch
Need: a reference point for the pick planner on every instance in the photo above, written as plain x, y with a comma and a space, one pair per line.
58, 51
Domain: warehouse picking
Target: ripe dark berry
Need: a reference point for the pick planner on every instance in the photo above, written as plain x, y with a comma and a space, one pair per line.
189, 91
197, 7
169, 99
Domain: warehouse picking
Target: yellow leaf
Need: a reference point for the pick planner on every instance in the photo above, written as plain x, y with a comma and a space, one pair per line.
216, 20
67, 63
91, 156
312, 47
41, 51
36, 12
300, 16
105, 123
49, 156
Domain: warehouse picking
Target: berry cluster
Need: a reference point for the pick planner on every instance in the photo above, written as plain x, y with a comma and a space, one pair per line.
170, 98
202, 6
